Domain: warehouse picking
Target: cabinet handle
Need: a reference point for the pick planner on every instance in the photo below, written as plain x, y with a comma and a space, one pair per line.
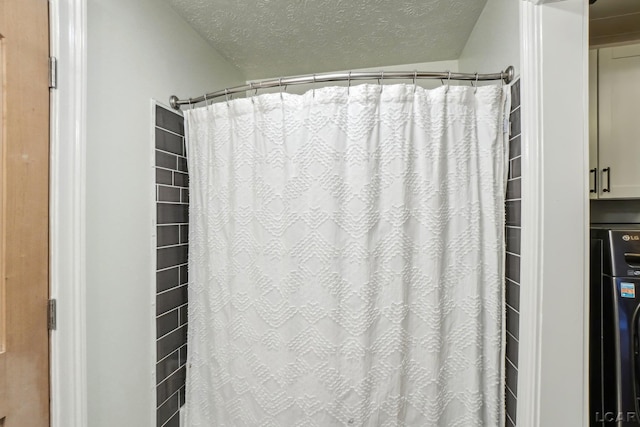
608, 171
594, 171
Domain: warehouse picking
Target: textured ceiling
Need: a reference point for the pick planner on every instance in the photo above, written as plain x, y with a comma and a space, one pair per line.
268, 38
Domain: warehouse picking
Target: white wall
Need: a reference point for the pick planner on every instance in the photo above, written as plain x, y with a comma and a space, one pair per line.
421, 66
494, 43
137, 50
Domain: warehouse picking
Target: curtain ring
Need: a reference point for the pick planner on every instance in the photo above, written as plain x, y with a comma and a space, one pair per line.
448, 82
349, 83
381, 80
226, 95
250, 88
190, 105
314, 85
206, 104
475, 88
280, 84
415, 76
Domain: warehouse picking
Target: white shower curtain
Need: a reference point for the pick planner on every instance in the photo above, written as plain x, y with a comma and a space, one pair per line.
346, 258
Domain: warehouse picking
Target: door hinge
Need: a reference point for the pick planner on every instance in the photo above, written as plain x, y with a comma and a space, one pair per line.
53, 72
51, 315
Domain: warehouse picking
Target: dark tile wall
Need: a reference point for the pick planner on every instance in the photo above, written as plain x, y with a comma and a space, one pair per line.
512, 234
172, 217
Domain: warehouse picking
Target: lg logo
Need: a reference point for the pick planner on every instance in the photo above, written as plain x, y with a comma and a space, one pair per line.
627, 237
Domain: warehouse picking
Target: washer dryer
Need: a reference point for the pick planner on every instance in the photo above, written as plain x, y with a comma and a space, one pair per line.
614, 326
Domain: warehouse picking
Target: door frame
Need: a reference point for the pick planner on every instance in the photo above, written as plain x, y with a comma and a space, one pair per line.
553, 365
67, 214
555, 215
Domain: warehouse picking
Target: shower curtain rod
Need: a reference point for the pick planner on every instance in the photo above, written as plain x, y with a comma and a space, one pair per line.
506, 76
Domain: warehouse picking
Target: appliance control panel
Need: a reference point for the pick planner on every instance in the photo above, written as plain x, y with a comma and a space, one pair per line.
625, 253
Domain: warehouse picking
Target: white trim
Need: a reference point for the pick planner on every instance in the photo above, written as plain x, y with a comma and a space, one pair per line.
553, 365
67, 214
532, 171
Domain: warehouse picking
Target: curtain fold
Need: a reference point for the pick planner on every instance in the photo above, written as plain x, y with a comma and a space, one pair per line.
346, 258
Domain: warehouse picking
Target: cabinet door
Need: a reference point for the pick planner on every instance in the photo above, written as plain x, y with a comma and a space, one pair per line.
619, 122
593, 124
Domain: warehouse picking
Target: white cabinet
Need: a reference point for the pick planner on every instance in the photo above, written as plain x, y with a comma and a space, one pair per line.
593, 124
616, 167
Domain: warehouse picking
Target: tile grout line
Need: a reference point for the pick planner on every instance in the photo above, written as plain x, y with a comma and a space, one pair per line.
167, 378
512, 394
512, 308
172, 246
168, 131
160, 270
172, 415
514, 282
186, 304
170, 353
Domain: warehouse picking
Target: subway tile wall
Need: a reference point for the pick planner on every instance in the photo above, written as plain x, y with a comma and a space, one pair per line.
512, 235
172, 219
